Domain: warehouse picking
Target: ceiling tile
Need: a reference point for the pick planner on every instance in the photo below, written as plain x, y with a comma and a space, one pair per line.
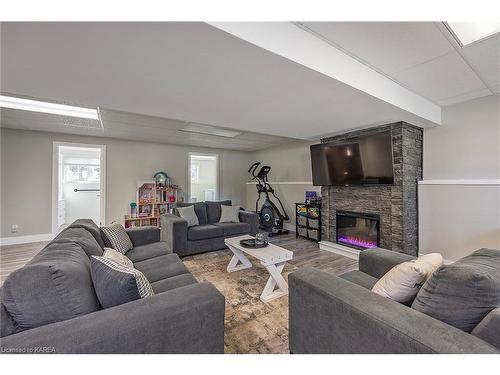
388, 46
445, 77
484, 57
464, 97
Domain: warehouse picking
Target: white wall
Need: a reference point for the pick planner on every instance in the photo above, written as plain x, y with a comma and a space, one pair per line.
290, 174
456, 219
26, 175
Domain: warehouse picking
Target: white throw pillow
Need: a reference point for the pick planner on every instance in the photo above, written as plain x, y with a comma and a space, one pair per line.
118, 257
188, 214
229, 214
402, 282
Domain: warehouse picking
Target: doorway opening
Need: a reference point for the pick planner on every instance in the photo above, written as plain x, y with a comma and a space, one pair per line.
79, 182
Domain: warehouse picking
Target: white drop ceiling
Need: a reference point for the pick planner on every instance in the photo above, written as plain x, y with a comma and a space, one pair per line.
134, 127
422, 56
144, 75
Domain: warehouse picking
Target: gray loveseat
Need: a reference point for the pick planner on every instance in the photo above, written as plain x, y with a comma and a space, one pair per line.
210, 234
330, 314
50, 305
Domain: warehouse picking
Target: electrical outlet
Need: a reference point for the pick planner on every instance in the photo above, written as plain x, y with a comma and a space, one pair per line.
14, 228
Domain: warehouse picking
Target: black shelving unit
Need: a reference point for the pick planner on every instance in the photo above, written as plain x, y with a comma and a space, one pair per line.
308, 220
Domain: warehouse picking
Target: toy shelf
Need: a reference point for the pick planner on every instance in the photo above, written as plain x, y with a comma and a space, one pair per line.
152, 201
308, 221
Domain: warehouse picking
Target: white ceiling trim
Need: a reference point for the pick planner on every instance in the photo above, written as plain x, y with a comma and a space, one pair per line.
294, 43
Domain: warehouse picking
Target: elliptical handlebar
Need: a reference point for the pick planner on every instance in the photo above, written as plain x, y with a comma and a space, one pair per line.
253, 168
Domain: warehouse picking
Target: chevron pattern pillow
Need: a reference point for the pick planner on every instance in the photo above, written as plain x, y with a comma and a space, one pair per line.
116, 284
116, 237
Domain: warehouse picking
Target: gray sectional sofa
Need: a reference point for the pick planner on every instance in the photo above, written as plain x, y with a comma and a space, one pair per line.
50, 305
330, 314
210, 234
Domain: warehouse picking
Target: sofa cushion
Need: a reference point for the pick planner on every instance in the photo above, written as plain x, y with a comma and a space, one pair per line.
199, 208
233, 229
116, 284
463, 293
203, 232
213, 210
91, 227
83, 238
161, 267
55, 285
116, 237
173, 282
8, 325
489, 328
151, 250
360, 278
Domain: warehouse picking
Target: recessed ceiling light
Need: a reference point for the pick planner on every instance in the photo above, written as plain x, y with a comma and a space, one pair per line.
469, 32
47, 107
210, 130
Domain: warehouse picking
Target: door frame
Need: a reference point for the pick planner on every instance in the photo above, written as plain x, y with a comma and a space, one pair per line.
55, 179
217, 182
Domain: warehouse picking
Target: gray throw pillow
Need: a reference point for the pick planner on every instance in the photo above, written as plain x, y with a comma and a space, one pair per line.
229, 214
188, 214
462, 293
116, 284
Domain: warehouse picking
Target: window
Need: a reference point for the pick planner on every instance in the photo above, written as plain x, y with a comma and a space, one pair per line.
204, 177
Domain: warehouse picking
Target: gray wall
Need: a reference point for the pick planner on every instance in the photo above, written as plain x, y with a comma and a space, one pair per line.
467, 145
26, 175
457, 219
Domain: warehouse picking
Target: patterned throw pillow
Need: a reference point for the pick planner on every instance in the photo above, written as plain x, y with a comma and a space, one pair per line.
117, 257
115, 284
116, 236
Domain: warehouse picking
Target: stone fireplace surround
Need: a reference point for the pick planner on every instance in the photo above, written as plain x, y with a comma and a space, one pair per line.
396, 205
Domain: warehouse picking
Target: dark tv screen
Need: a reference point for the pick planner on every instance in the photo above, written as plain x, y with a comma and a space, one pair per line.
360, 161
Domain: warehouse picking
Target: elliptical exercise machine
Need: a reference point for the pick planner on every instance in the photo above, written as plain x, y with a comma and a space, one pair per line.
271, 218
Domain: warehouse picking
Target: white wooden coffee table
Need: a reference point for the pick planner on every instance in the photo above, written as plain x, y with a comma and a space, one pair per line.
272, 257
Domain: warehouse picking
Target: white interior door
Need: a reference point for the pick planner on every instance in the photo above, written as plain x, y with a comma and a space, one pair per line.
80, 184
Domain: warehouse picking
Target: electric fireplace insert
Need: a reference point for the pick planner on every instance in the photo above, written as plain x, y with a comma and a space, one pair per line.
358, 230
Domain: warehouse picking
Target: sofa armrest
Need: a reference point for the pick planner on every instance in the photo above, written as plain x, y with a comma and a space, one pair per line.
189, 319
332, 315
174, 232
143, 235
377, 262
251, 218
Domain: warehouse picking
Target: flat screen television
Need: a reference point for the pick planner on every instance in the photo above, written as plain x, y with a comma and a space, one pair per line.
365, 160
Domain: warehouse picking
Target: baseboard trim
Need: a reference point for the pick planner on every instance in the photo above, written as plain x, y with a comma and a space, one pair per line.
6, 241
290, 227
339, 249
